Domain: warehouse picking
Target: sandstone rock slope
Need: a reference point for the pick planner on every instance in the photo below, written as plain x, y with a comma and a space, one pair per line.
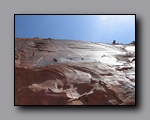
67, 72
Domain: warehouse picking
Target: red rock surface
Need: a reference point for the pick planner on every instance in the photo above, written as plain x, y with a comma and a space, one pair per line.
66, 72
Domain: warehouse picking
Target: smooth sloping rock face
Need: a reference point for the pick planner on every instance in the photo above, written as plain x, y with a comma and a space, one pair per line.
65, 72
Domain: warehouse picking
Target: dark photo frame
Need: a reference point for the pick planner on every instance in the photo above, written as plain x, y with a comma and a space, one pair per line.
60, 72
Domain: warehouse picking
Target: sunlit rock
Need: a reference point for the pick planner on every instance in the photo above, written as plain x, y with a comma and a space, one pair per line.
66, 72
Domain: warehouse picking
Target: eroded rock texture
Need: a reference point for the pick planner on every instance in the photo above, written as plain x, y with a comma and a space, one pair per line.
66, 72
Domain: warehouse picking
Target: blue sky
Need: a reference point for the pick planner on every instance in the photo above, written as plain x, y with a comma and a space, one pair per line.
94, 28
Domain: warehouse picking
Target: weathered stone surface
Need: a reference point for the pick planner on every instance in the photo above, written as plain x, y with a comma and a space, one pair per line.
66, 72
